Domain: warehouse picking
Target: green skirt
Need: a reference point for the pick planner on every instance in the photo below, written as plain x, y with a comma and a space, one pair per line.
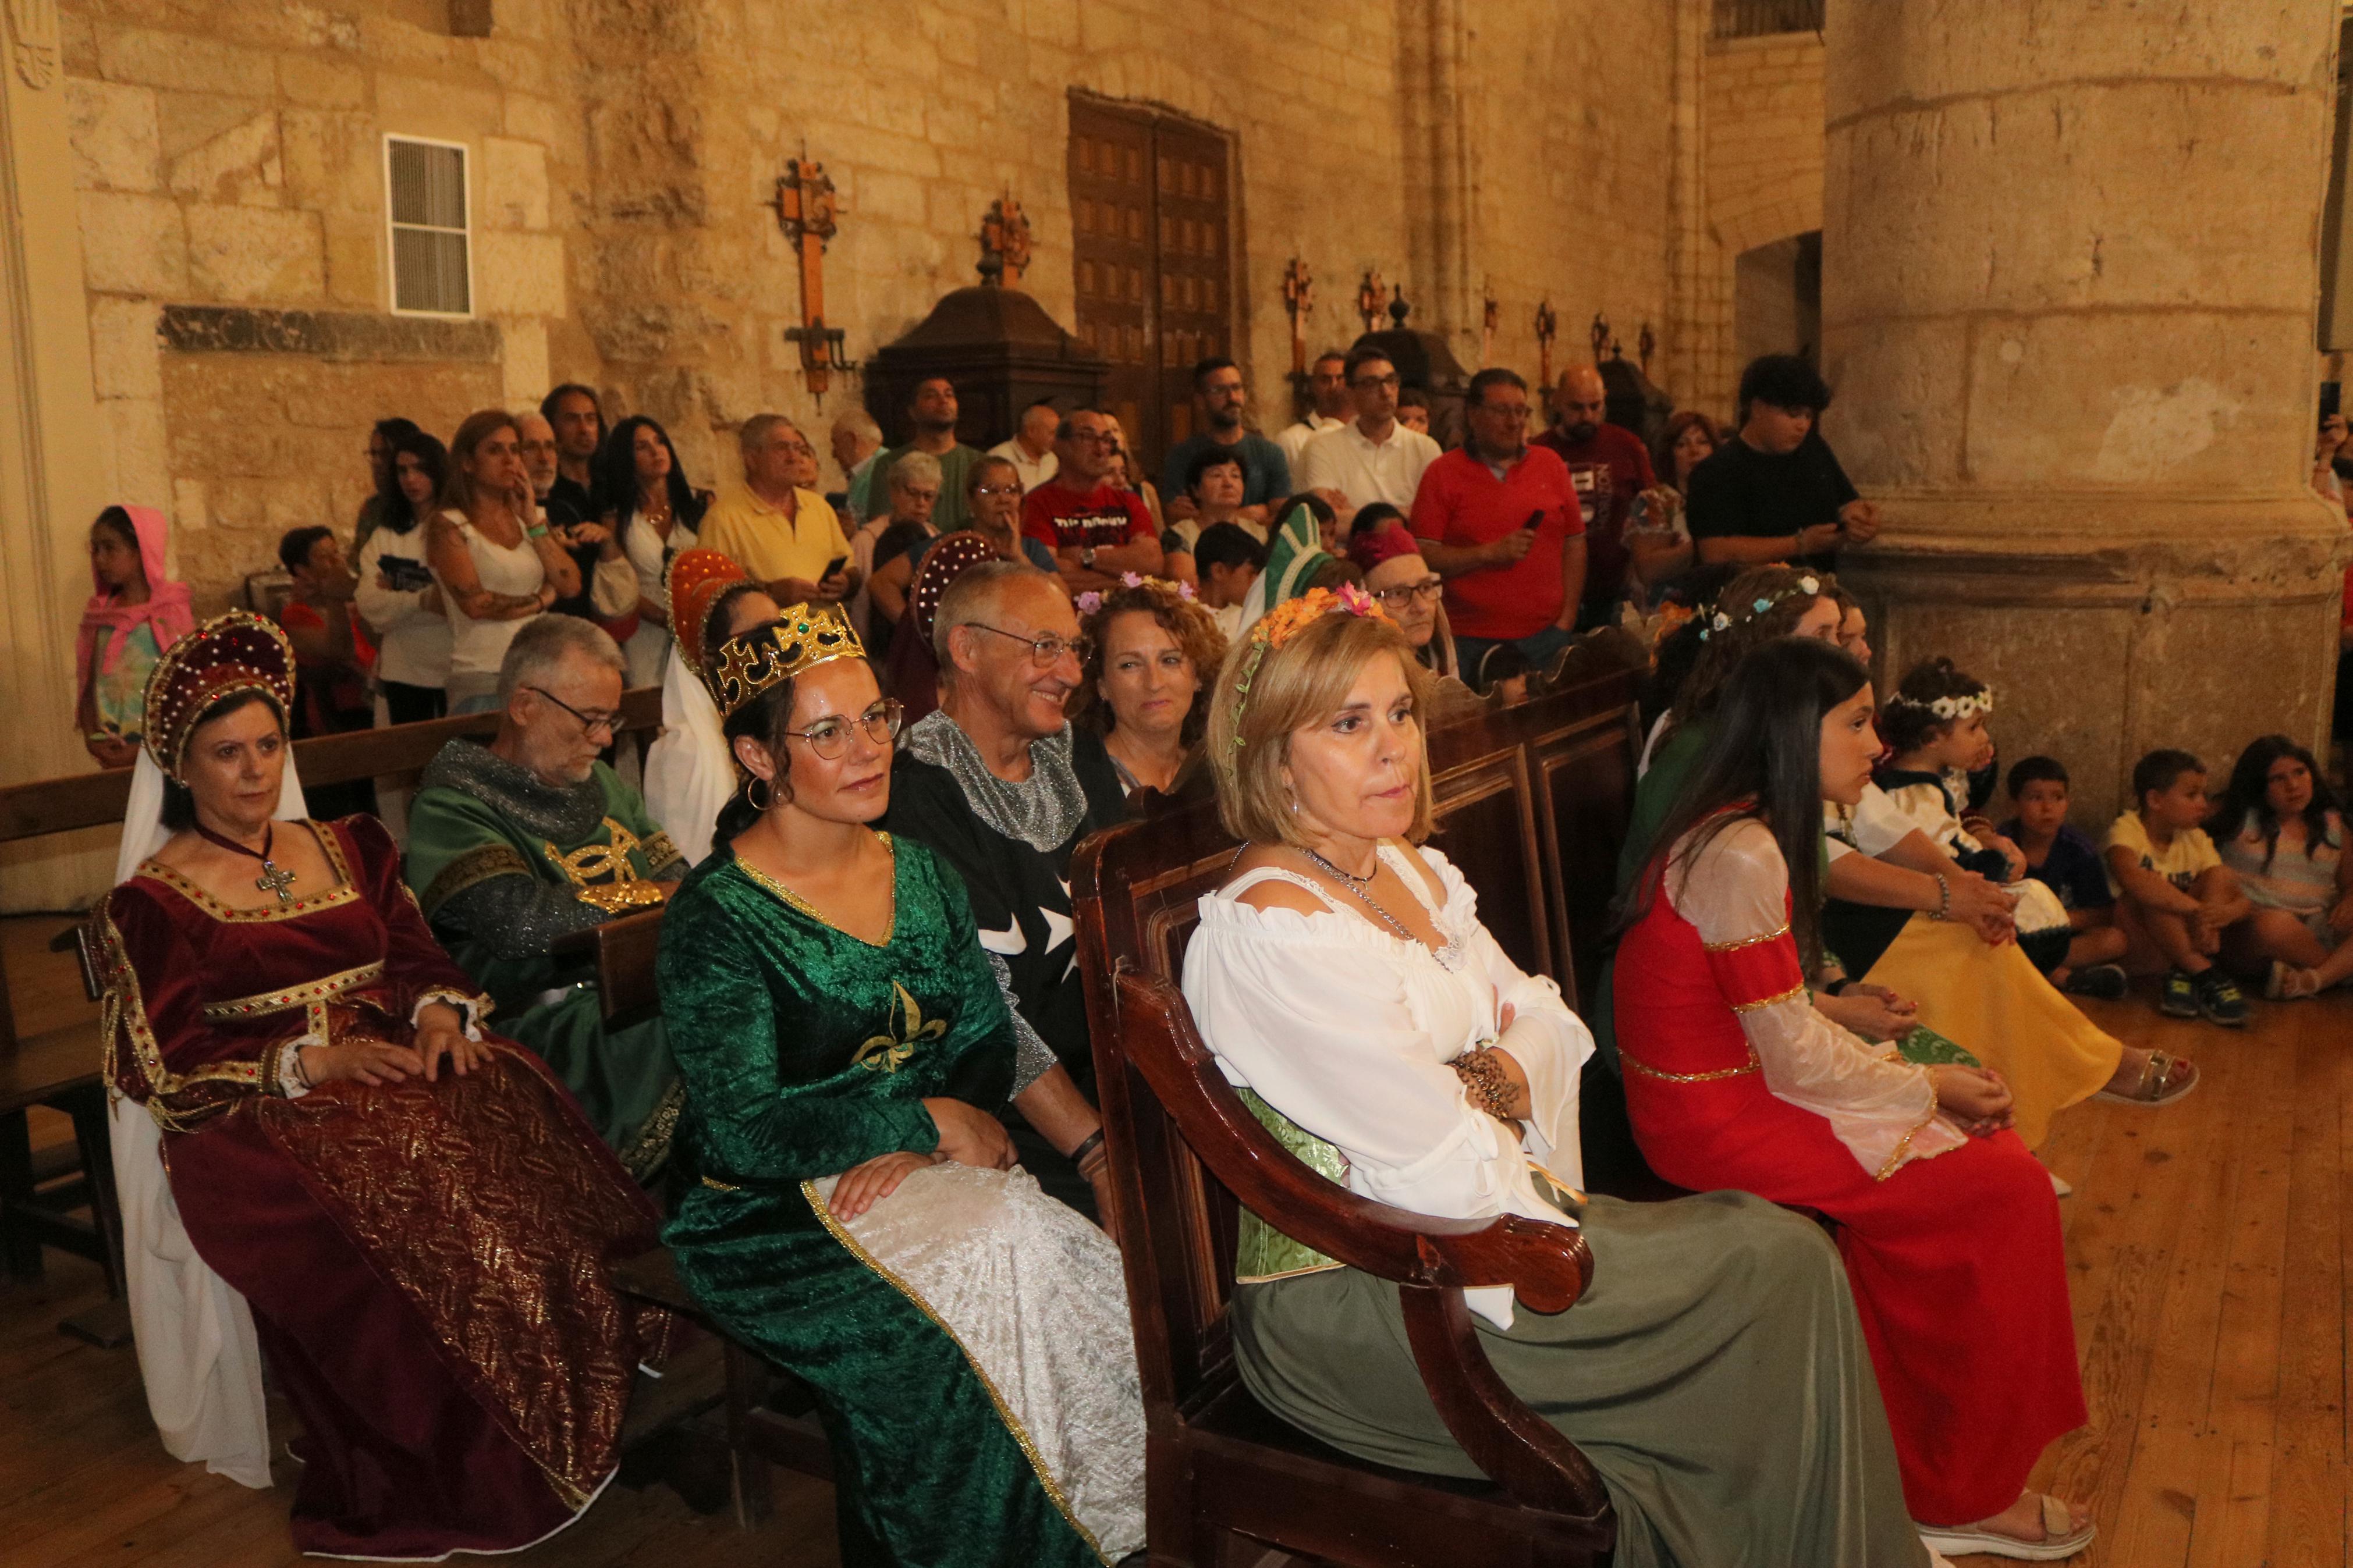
1714, 1375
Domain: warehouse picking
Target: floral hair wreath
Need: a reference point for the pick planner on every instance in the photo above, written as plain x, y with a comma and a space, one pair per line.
1809, 584
1950, 709
1090, 602
1287, 620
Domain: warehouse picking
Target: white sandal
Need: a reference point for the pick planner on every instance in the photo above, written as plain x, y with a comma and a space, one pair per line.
2054, 1545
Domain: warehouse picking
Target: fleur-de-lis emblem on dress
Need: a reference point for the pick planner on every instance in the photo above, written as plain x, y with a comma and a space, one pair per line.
889, 1052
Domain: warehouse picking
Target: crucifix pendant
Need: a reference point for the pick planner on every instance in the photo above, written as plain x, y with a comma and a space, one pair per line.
276, 879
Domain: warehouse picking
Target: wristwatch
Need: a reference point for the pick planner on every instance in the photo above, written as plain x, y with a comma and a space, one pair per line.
1087, 556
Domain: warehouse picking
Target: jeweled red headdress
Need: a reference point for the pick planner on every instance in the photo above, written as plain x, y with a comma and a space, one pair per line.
696, 578
229, 653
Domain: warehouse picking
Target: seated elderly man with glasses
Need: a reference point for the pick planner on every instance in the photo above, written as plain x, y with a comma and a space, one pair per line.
515, 844
992, 784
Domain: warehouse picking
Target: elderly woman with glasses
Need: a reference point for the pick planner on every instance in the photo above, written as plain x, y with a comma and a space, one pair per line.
847, 1046
1410, 591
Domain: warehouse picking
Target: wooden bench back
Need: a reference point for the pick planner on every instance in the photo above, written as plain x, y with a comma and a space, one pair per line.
42, 806
1531, 802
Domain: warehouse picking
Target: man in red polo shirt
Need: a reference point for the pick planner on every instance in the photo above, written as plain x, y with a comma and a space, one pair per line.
1609, 468
1096, 530
1498, 520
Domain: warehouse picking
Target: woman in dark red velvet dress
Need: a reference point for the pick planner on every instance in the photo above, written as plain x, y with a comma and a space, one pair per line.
413, 1210
1733, 1080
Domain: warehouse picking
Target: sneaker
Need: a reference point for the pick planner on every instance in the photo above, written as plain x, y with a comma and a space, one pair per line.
2219, 1000
2104, 981
2286, 982
2179, 999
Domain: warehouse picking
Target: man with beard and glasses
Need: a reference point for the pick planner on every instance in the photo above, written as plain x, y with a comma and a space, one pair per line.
530, 839
1218, 391
1609, 468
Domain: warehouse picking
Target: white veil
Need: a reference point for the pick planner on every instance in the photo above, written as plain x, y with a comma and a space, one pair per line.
194, 1334
690, 773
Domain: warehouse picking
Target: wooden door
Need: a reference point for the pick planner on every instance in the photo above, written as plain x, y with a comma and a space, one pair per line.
1152, 222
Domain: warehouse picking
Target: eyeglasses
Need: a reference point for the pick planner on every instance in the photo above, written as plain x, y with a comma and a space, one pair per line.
1046, 651
1405, 594
829, 738
1390, 380
590, 722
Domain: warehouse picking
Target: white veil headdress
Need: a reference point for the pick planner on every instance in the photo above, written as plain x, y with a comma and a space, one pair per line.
195, 1335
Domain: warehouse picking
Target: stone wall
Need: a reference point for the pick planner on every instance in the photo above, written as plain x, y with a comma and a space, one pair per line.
623, 158
1763, 117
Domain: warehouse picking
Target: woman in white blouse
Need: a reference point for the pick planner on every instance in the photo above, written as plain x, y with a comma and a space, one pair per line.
1734, 1079
653, 514
1346, 985
491, 555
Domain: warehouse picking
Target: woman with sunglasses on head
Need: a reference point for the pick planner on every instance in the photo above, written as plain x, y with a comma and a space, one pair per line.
846, 1046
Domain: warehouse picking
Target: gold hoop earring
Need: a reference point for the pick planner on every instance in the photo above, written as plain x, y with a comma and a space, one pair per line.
751, 793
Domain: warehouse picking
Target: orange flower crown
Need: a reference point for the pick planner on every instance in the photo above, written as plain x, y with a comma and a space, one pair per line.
1286, 621
229, 653
803, 638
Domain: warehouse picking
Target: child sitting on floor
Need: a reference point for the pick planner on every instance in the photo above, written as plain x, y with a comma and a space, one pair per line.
2175, 899
2279, 829
2066, 861
1935, 724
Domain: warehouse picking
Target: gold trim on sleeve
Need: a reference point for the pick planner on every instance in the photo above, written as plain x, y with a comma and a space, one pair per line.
1775, 934
1791, 995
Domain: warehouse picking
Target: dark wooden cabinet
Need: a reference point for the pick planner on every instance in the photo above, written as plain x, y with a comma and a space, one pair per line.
1152, 220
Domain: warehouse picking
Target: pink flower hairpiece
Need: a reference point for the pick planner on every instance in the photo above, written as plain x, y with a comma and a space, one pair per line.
1089, 601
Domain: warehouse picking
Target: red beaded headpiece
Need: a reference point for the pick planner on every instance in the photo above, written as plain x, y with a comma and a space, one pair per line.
229, 653
696, 578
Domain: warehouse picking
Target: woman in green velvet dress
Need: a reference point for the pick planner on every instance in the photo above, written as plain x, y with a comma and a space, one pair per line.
845, 1045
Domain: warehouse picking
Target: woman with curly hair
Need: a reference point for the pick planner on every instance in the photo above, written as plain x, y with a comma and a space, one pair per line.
1147, 647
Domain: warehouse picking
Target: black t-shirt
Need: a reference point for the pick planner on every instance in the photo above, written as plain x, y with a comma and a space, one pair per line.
560, 511
1742, 493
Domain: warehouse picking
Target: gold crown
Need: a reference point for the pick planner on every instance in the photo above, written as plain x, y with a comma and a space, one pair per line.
801, 638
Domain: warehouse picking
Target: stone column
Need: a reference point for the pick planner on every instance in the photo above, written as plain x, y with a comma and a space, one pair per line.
52, 453
2068, 296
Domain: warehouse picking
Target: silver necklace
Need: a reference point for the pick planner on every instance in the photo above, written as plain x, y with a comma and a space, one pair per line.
1359, 886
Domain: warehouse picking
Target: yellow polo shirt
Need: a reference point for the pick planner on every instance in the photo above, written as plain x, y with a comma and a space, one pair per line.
769, 545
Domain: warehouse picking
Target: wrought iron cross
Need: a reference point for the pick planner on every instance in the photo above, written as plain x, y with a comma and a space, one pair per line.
1371, 297
804, 210
1547, 329
1298, 299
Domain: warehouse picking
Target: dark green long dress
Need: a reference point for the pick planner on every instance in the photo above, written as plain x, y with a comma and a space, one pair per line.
806, 1051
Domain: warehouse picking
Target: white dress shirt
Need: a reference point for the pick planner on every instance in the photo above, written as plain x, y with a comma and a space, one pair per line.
1346, 460
1034, 471
1294, 439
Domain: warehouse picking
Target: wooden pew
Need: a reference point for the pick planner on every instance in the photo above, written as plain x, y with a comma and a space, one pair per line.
1530, 802
59, 1068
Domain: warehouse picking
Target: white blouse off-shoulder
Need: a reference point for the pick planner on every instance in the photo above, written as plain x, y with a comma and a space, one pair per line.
1347, 1029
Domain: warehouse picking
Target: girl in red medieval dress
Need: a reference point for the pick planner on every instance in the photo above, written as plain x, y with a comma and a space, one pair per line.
408, 1215
1949, 1227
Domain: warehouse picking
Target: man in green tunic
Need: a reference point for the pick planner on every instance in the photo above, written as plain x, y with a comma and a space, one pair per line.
530, 839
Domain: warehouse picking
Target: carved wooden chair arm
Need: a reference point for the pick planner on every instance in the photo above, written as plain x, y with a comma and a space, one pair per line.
1547, 1266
